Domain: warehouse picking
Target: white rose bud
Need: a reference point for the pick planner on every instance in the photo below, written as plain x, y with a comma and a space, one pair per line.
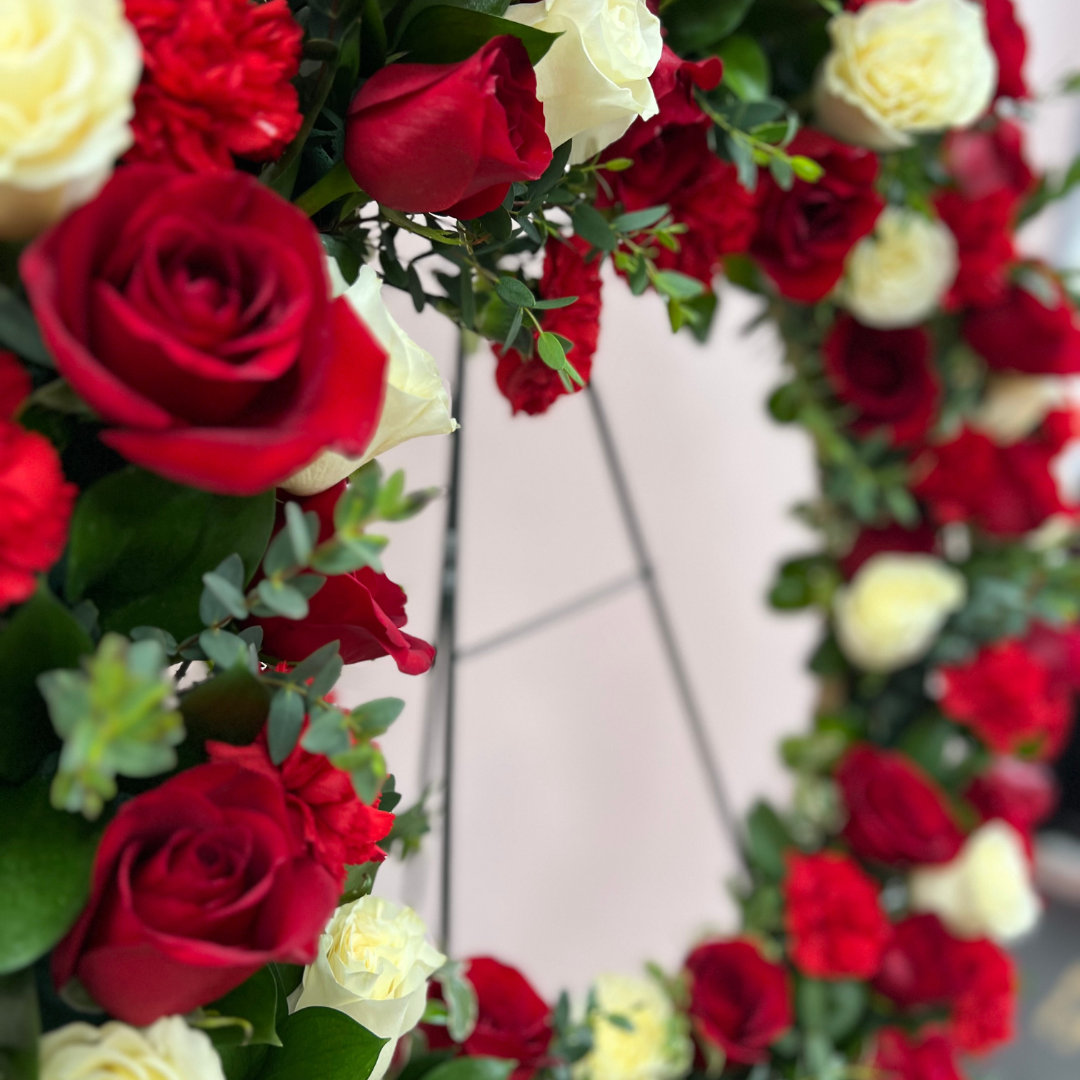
417, 402
373, 964
167, 1050
894, 608
897, 276
986, 891
637, 1034
69, 72
1015, 405
594, 81
899, 68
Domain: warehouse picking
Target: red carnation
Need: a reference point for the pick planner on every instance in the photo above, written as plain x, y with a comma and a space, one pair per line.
1033, 334
896, 814
984, 1009
35, 508
449, 137
513, 1020
739, 1001
528, 383
834, 917
983, 229
988, 159
1006, 697
1023, 793
338, 827
887, 376
196, 885
870, 542
899, 1056
363, 610
1005, 490
216, 81
804, 235
917, 966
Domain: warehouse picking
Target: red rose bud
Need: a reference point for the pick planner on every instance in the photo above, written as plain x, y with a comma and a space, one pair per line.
804, 235
448, 138
196, 885
739, 1001
833, 916
899, 1056
513, 1022
1023, 793
193, 314
896, 814
363, 610
886, 375
870, 542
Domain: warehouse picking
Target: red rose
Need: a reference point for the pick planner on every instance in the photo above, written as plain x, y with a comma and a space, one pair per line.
1037, 335
35, 508
983, 229
739, 1001
1058, 650
833, 916
1006, 697
449, 138
1005, 490
673, 83
529, 384
887, 376
339, 829
982, 161
193, 313
899, 1056
15, 384
804, 235
896, 814
984, 1009
871, 542
1023, 793
917, 967
513, 1022
216, 81
364, 611
197, 884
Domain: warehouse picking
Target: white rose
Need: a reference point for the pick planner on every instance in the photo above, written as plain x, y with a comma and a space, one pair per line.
373, 964
897, 276
986, 891
637, 1034
594, 81
416, 403
899, 68
1015, 405
167, 1050
68, 72
894, 607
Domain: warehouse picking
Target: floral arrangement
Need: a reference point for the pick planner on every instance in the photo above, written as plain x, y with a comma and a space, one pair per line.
199, 374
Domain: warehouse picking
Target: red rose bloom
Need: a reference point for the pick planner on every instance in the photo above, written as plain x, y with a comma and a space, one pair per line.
739, 1001
363, 610
887, 376
918, 965
804, 235
985, 160
833, 917
1023, 793
197, 884
896, 814
513, 1021
983, 229
193, 313
15, 385
1022, 332
1005, 490
1005, 696
528, 383
35, 508
870, 542
984, 1009
216, 81
339, 829
898, 1056
449, 137
1058, 650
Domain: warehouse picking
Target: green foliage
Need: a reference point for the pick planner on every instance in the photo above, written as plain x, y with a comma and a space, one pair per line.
231, 707
459, 996
20, 1025
116, 719
746, 68
321, 1044
473, 1068
811, 580
19, 331
444, 34
833, 1009
45, 862
409, 828
695, 26
245, 1016
767, 841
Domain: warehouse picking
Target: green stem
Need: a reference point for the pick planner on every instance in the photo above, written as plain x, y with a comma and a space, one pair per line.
336, 183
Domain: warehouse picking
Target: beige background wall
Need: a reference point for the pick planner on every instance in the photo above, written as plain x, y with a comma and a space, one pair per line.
584, 841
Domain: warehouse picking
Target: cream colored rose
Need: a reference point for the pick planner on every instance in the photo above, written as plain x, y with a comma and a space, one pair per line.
1015, 405
373, 964
594, 81
68, 72
897, 276
899, 68
167, 1050
417, 402
986, 891
894, 607
637, 1034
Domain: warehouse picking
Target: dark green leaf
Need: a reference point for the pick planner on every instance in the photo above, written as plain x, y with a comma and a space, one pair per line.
694, 25
473, 1068
232, 707
515, 327
593, 227
551, 305
373, 718
746, 68
286, 720
767, 840
446, 35
832, 1008
299, 535
282, 599
315, 663
225, 649
308, 584
323, 1044
552, 174
19, 331
253, 1008
326, 733
220, 599
20, 1025
677, 286
359, 881
514, 292
153, 633
498, 223
637, 220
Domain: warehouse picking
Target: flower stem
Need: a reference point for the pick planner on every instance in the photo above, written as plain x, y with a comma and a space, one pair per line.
337, 182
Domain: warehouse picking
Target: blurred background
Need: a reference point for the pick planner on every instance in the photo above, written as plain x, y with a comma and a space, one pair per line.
584, 839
